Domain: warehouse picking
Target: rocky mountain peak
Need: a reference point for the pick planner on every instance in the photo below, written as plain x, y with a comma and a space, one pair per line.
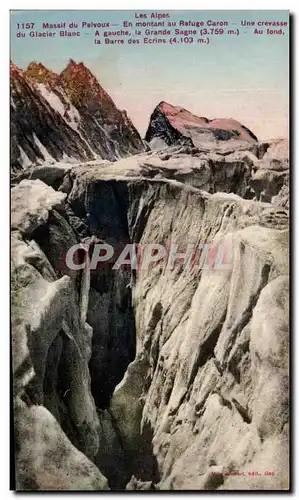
14, 70
39, 73
72, 63
180, 114
75, 68
83, 87
175, 124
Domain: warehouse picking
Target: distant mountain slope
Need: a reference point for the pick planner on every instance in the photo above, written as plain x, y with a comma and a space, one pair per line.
175, 125
65, 117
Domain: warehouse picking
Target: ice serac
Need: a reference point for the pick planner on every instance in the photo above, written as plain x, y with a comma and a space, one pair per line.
56, 427
271, 176
65, 117
175, 125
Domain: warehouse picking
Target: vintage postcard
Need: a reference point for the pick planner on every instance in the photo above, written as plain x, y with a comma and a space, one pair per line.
149, 250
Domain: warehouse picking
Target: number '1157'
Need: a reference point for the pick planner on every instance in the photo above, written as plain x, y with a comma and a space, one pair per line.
25, 26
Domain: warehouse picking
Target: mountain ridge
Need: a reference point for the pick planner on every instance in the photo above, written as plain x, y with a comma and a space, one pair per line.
66, 116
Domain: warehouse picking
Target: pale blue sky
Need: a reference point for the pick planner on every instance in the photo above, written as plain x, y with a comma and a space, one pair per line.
245, 77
